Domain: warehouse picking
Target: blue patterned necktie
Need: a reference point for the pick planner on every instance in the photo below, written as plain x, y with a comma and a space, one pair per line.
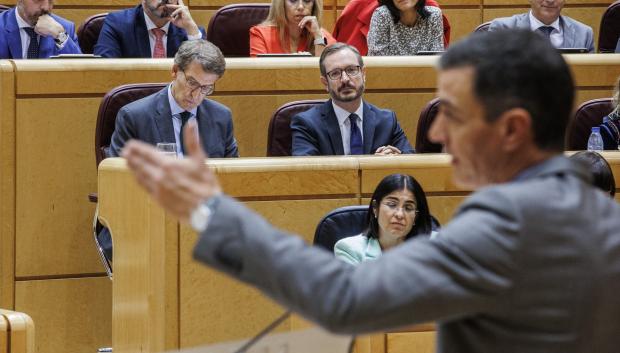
33, 48
546, 31
356, 137
184, 118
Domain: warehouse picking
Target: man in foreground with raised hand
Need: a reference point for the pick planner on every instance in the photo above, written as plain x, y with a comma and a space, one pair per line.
529, 263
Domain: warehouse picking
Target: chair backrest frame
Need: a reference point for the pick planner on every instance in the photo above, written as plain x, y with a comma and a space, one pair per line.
610, 28
229, 28
588, 115
279, 135
88, 32
427, 116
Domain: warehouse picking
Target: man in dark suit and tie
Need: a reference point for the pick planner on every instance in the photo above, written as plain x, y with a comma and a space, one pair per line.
153, 29
545, 18
31, 31
346, 124
160, 117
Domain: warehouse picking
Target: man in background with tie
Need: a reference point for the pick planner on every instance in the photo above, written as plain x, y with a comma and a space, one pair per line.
153, 29
544, 18
161, 117
345, 124
31, 31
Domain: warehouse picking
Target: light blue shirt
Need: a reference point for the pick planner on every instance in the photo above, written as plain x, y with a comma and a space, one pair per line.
345, 125
176, 111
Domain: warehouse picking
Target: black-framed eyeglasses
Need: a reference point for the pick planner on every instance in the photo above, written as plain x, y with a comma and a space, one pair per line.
351, 71
194, 85
407, 208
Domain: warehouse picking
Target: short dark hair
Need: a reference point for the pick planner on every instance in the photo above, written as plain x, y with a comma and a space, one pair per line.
395, 12
518, 68
208, 55
423, 222
336, 47
602, 176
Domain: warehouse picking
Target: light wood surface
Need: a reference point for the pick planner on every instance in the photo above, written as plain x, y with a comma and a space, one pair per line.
7, 183
211, 307
49, 129
72, 315
16, 332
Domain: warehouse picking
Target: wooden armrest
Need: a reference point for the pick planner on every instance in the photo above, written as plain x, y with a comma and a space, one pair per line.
16, 332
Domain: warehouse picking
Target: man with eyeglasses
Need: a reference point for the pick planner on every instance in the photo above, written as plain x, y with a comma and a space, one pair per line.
345, 124
161, 117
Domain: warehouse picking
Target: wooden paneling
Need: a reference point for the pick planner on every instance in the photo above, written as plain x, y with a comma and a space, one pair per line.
56, 159
462, 21
418, 342
7, 183
71, 315
16, 332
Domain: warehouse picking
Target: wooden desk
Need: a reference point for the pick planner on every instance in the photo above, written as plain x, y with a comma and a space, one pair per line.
162, 299
16, 332
47, 164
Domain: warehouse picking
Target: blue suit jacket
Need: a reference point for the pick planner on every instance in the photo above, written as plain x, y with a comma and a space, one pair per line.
316, 131
150, 120
124, 35
11, 45
576, 34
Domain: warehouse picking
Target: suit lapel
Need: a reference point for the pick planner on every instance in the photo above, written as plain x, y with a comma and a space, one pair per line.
524, 21
568, 33
13, 35
369, 124
175, 37
163, 117
204, 126
333, 128
142, 35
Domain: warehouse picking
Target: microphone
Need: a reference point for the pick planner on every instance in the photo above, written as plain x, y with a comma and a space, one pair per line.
264, 332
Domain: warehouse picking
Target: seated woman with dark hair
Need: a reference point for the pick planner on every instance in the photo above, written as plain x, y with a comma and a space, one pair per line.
405, 27
398, 211
292, 26
610, 128
602, 176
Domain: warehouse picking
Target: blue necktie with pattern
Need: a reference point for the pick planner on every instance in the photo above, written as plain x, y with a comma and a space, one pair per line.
33, 48
356, 137
546, 31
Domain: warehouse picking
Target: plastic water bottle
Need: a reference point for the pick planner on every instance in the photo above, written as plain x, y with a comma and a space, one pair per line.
595, 142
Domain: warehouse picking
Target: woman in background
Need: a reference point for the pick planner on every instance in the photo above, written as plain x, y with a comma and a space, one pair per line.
405, 27
398, 211
292, 26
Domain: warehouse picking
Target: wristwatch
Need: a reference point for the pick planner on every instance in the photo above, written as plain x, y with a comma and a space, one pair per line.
62, 37
320, 41
200, 216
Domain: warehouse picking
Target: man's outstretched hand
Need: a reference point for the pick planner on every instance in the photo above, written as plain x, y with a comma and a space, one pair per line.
178, 185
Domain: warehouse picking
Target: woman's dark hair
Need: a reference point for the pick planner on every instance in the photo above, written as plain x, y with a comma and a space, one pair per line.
419, 8
389, 184
602, 176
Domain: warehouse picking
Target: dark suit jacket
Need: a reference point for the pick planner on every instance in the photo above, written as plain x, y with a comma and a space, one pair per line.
316, 131
124, 35
11, 45
150, 120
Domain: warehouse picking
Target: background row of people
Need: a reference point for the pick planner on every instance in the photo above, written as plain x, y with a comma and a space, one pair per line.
156, 28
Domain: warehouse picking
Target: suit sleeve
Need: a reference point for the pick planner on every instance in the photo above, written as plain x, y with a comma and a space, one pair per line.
123, 132
230, 141
304, 140
71, 45
344, 252
466, 270
108, 43
496, 25
399, 139
258, 44
590, 40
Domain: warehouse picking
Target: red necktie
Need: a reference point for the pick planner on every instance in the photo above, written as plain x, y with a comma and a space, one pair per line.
158, 51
